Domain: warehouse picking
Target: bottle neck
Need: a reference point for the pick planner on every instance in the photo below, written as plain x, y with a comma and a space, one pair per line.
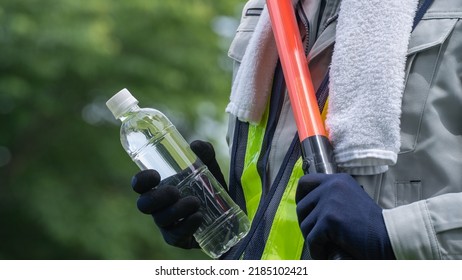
128, 112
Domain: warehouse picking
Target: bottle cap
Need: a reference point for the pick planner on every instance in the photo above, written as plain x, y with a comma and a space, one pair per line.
121, 102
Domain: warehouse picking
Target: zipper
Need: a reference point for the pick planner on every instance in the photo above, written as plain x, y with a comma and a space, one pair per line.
323, 92
301, 17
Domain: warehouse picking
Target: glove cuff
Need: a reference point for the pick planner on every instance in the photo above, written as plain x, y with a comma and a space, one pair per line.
378, 241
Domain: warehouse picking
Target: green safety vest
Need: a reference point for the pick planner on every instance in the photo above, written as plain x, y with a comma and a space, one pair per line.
275, 232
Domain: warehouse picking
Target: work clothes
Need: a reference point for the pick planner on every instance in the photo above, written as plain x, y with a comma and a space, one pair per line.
421, 193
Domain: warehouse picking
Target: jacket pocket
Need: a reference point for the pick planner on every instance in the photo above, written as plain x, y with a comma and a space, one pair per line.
250, 15
424, 54
407, 192
445, 217
450, 240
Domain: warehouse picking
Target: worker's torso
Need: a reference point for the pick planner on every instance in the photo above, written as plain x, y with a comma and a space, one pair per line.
265, 163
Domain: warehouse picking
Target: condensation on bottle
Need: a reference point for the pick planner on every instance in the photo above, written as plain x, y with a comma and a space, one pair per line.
153, 142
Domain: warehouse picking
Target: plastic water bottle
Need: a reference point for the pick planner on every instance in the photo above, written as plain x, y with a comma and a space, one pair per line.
153, 142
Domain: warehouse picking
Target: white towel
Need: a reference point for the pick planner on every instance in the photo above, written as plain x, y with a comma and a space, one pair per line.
367, 80
252, 84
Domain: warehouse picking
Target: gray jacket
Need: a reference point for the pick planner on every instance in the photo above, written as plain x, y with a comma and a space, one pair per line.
422, 193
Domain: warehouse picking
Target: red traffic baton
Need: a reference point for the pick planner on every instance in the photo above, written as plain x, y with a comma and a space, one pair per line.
317, 151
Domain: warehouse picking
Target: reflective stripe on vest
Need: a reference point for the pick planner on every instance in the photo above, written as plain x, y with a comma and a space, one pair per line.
285, 240
250, 176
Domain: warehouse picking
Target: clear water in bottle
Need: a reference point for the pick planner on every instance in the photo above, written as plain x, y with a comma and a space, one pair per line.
153, 142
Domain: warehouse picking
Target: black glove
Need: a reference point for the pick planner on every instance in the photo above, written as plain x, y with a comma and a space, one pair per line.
177, 217
206, 153
335, 212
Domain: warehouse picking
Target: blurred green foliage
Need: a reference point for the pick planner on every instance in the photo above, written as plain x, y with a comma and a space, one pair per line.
64, 177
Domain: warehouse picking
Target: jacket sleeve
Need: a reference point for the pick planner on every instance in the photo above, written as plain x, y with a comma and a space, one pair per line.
432, 228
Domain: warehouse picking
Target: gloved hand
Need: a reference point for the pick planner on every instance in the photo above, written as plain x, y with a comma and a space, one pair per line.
334, 212
177, 217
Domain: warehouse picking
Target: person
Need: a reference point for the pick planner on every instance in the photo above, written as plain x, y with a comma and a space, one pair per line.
392, 72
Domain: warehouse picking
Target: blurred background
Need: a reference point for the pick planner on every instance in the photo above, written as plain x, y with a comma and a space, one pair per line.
64, 178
